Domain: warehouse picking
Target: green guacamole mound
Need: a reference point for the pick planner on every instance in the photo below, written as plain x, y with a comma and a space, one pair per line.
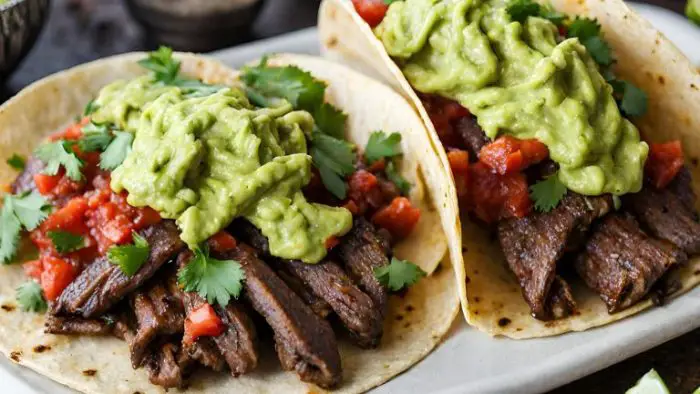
207, 160
518, 80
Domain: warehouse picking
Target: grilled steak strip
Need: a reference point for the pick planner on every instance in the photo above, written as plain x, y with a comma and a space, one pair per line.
473, 136
157, 313
328, 282
167, 366
237, 344
102, 284
362, 250
560, 302
621, 263
75, 325
533, 245
669, 213
305, 343
318, 305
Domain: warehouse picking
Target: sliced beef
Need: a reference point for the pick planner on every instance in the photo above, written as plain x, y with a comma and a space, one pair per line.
157, 313
102, 284
560, 302
167, 365
25, 180
362, 250
669, 213
532, 245
237, 344
621, 263
317, 304
75, 325
473, 136
328, 282
305, 342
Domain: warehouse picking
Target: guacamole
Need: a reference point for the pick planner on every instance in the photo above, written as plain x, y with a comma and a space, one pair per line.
207, 160
517, 79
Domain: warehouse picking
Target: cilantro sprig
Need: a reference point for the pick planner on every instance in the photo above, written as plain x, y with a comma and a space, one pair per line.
331, 154
547, 193
166, 70
215, 280
588, 32
520, 10
115, 145
16, 161
24, 211
30, 297
632, 100
387, 146
398, 274
130, 258
57, 154
65, 241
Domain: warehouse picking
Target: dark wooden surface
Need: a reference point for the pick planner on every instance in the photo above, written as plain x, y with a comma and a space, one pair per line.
83, 30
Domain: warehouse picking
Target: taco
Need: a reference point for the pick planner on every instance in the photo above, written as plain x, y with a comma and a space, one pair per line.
571, 131
194, 223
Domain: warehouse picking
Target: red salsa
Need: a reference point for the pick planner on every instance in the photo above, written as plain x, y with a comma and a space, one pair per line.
663, 163
372, 11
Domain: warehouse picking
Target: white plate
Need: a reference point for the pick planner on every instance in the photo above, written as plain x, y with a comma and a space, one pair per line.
470, 361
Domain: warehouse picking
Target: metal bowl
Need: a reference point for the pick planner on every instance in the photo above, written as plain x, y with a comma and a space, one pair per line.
196, 32
20, 24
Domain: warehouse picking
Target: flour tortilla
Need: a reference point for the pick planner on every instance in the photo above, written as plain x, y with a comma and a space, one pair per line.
414, 326
490, 295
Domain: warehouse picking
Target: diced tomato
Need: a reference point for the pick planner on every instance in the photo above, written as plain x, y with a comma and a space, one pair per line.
222, 242
493, 196
352, 207
202, 322
6, 187
362, 181
33, 269
332, 242
663, 163
46, 183
377, 166
72, 132
399, 217
372, 11
563, 30
56, 275
459, 163
69, 218
507, 155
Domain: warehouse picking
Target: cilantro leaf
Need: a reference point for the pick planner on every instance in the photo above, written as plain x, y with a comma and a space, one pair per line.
95, 138
215, 280
65, 241
195, 88
295, 85
520, 10
117, 150
583, 28
27, 210
330, 120
334, 159
161, 62
60, 153
398, 274
16, 161
90, 108
552, 15
547, 193
634, 100
388, 2
30, 297
393, 174
600, 50
381, 145
130, 258
10, 228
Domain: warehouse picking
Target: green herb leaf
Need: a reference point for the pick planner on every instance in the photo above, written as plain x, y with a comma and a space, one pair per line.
520, 10
65, 241
398, 274
381, 145
95, 138
60, 153
10, 228
389, 2
583, 28
130, 258
395, 177
27, 210
293, 84
16, 161
30, 297
194, 88
117, 150
634, 100
547, 193
161, 62
330, 120
215, 280
600, 50
90, 108
552, 15
334, 159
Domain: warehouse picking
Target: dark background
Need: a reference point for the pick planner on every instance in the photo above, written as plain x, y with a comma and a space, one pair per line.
82, 30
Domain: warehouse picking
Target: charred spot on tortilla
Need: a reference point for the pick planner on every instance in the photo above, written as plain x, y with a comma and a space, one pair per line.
398, 317
16, 356
476, 300
8, 308
41, 348
332, 42
504, 321
410, 308
697, 273
407, 324
90, 372
661, 79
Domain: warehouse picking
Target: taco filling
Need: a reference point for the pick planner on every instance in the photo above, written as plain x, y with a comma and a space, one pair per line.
181, 216
537, 131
